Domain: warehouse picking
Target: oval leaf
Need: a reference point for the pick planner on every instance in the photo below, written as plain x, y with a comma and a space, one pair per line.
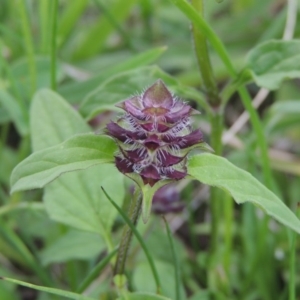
53, 121
217, 171
73, 245
79, 152
272, 62
76, 198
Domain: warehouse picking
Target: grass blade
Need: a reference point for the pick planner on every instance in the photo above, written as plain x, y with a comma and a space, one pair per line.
53, 44
95, 272
62, 293
175, 259
28, 42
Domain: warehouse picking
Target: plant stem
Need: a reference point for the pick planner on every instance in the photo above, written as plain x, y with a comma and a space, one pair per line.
134, 213
203, 59
28, 43
216, 114
261, 139
228, 226
53, 45
212, 37
140, 239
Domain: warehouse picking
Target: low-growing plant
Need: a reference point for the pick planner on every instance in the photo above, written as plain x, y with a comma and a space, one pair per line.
90, 173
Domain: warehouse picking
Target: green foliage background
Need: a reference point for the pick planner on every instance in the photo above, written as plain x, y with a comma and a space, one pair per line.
102, 52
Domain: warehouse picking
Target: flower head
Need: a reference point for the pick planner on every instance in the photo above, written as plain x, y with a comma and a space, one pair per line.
154, 135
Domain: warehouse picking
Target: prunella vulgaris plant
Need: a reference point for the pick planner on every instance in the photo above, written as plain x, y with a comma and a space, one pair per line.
154, 136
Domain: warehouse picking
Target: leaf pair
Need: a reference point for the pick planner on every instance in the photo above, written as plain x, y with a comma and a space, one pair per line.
84, 151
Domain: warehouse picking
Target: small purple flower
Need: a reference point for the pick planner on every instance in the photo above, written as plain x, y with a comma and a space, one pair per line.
167, 200
154, 135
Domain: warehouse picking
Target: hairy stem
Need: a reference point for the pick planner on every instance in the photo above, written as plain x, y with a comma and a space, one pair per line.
137, 235
203, 59
212, 37
134, 213
216, 114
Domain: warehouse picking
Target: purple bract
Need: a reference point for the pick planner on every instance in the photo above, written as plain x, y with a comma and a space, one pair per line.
154, 135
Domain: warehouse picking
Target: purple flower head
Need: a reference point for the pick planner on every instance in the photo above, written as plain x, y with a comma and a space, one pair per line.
154, 135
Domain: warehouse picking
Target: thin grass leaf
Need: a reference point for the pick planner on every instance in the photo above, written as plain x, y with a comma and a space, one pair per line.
175, 259
96, 271
62, 293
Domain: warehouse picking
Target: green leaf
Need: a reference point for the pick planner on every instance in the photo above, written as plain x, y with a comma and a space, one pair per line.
43, 66
76, 91
7, 293
142, 296
77, 199
12, 107
79, 152
142, 279
62, 293
284, 114
217, 171
68, 19
52, 121
73, 245
201, 295
4, 117
124, 85
97, 35
15, 243
274, 61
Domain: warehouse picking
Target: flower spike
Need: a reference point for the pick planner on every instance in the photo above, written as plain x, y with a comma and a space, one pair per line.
154, 138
